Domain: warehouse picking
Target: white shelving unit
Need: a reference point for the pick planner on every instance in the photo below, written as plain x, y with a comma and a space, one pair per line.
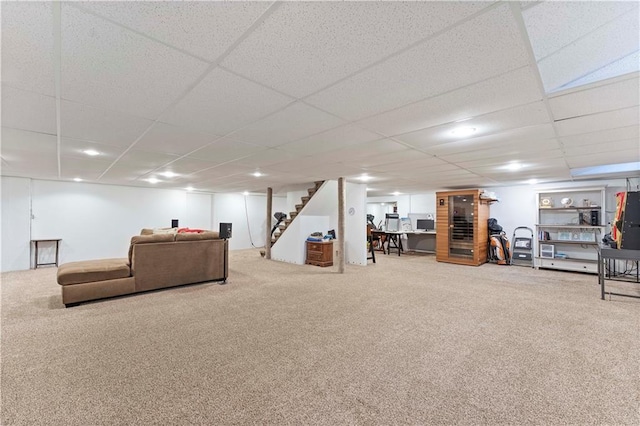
569, 228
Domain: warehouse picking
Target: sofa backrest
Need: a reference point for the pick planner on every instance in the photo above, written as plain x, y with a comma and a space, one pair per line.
185, 261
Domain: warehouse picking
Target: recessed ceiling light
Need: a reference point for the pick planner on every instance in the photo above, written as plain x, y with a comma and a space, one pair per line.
532, 181
91, 152
168, 174
397, 193
256, 174
189, 188
369, 189
513, 166
245, 193
463, 131
364, 178
153, 180
77, 180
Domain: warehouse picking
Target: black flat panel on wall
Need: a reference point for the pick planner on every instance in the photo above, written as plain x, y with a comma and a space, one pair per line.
225, 230
631, 222
174, 223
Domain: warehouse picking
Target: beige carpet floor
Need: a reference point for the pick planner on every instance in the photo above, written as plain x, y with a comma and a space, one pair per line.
405, 341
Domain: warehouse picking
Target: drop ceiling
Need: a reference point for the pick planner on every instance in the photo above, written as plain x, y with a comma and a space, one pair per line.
306, 91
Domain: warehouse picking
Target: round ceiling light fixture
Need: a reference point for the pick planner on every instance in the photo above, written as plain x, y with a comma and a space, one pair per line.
463, 131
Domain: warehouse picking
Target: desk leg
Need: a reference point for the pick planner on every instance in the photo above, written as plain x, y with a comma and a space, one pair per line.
399, 244
36, 260
57, 248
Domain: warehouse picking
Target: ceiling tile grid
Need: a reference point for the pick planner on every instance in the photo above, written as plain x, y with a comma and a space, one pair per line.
612, 41
620, 94
115, 128
191, 23
478, 49
496, 122
28, 111
514, 88
304, 91
291, 123
107, 66
223, 102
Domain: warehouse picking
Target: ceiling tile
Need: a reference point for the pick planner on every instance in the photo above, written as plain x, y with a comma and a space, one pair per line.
28, 111
72, 148
612, 41
332, 139
83, 168
268, 157
552, 25
81, 121
185, 25
304, 46
491, 42
496, 122
226, 149
107, 66
297, 121
173, 140
507, 90
223, 102
29, 154
597, 122
541, 135
501, 160
619, 145
619, 94
606, 157
27, 46
602, 137
15, 140
136, 158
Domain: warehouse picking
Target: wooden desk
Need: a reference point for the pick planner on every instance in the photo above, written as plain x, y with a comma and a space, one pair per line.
389, 238
36, 243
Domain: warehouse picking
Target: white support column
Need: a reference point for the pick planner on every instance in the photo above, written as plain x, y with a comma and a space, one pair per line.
342, 197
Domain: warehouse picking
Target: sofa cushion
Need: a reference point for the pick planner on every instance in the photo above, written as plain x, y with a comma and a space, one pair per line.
189, 236
93, 270
149, 238
165, 230
153, 238
146, 231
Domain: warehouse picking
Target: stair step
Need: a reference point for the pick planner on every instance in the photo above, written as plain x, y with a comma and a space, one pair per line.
305, 200
293, 214
282, 228
287, 221
318, 183
299, 207
312, 191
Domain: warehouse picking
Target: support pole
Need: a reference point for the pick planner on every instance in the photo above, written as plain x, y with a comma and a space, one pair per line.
342, 196
267, 241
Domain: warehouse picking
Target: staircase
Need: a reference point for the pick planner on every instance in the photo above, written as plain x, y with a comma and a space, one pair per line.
292, 215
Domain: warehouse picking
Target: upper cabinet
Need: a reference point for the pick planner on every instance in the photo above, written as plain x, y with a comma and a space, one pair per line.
569, 228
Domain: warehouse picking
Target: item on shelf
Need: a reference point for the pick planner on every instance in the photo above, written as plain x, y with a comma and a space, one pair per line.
561, 256
546, 202
566, 202
586, 202
547, 250
564, 236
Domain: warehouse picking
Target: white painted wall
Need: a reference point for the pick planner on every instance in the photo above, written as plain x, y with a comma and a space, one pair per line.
15, 211
97, 221
198, 212
321, 214
247, 213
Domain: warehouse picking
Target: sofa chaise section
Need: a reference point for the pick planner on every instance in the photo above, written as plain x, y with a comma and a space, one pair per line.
155, 261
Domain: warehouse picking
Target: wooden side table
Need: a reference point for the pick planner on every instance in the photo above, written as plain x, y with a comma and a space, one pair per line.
36, 243
319, 253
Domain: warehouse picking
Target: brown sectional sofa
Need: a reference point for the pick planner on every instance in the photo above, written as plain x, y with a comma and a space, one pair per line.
155, 261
